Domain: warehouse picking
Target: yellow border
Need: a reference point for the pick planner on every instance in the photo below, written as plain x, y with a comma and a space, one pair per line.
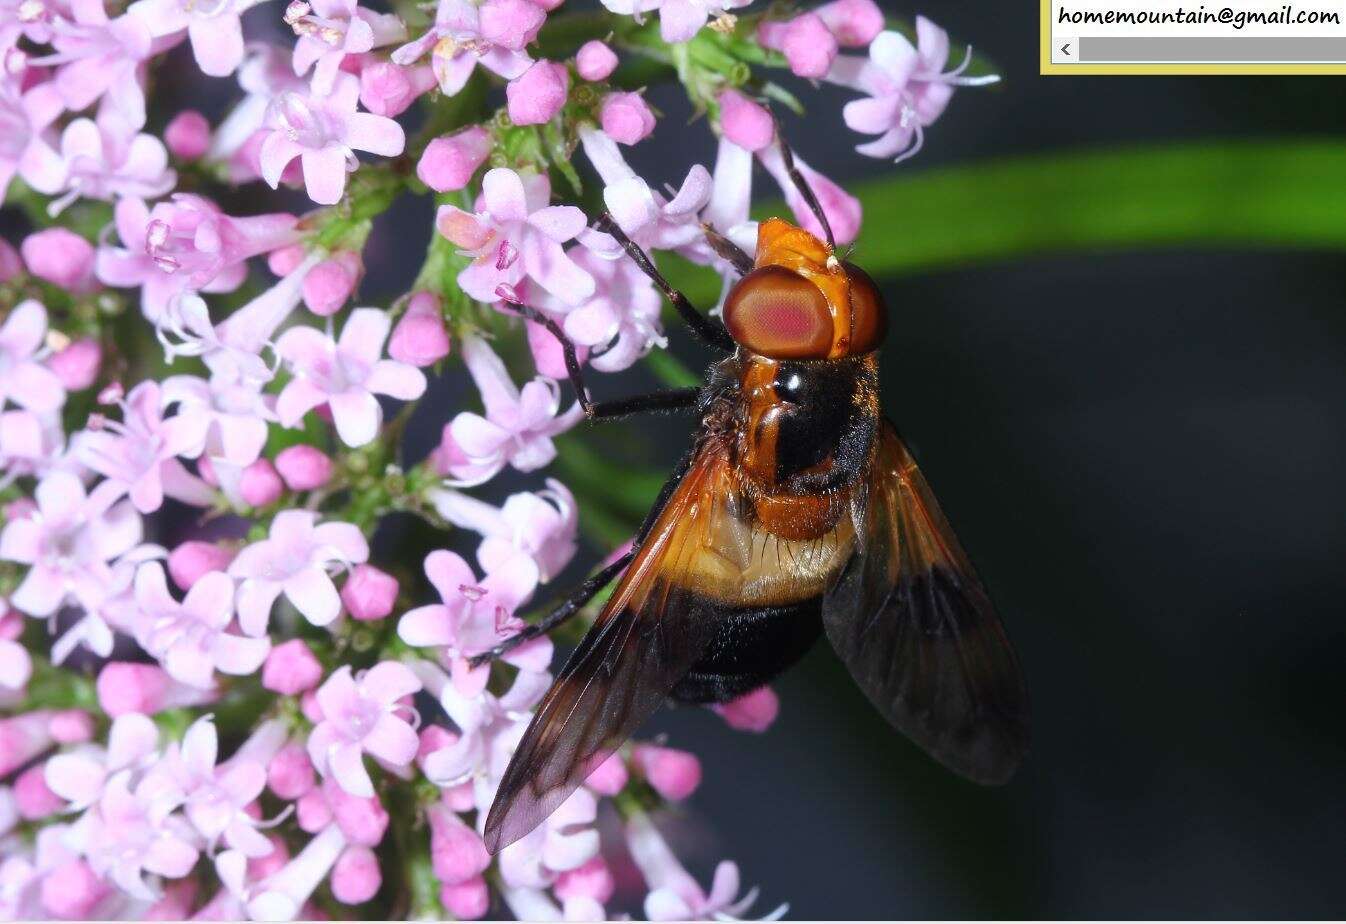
1048, 69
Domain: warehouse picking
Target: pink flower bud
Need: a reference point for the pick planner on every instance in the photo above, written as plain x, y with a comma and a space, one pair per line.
303, 467
448, 163
362, 820
193, 559
61, 257
512, 24
751, 712
592, 880
77, 365
674, 774
457, 853
538, 95
467, 901
626, 117
259, 484
70, 726
809, 46
33, 798
855, 23
291, 668
330, 283
187, 135
125, 686
312, 811
356, 877
284, 260
388, 89
745, 122
290, 773
610, 777
10, 264
71, 891
369, 593
595, 61
420, 337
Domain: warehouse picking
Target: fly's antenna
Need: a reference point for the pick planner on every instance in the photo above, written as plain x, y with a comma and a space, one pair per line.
804, 188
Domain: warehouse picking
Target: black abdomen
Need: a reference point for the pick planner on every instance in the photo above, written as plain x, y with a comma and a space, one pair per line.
751, 646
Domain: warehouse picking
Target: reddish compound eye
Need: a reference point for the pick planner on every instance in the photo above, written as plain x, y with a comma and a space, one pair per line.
869, 317
777, 313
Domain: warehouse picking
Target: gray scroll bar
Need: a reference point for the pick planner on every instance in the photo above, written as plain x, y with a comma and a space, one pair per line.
1202, 49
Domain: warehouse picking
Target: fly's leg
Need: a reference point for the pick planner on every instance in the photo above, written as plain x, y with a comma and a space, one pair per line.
708, 330
727, 250
674, 399
582, 595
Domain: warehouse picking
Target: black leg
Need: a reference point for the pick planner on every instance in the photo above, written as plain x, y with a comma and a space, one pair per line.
727, 250
567, 349
712, 332
582, 595
804, 188
672, 400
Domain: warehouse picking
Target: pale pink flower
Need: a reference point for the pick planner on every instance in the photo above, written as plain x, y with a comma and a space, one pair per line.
359, 717
674, 894
140, 455
67, 544
465, 34
620, 322
516, 234
679, 20
24, 148
23, 378
187, 135
907, 87
345, 375
191, 638
518, 426
806, 41
135, 832
282, 894
100, 58
542, 524
105, 159
29, 445
266, 73
324, 132
474, 616
329, 30
295, 560
565, 841
185, 245
233, 414
79, 775
215, 30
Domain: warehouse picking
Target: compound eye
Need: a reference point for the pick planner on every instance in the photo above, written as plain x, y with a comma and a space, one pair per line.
777, 313
869, 316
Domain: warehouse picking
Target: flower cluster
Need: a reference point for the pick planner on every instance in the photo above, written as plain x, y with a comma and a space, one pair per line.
220, 697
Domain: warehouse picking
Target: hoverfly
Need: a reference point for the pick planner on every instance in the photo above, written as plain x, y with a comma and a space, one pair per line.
798, 511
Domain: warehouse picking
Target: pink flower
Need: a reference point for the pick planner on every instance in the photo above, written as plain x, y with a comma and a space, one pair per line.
745, 122
674, 774
281, 895
23, 378
595, 61
329, 284
464, 35
230, 415
620, 323
674, 894
132, 833
25, 150
420, 337
294, 560
67, 544
369, 594
191, 560
751, 712
515, 234
61, 257
185, 245
518, 426
807, 43
855, 23
107, 160
329, 30
290, 773
259, 484
345, 375
457, 852
215, 30
388, 89
140, 455
303, 467
77, 365
324, 132
79, 775
474, 616
626, 117
190, 638
100, 58
565, 841
187, 135
542, 525
360, 716
908, 90
679, 20
356, 877
125, 687
449, 162
538, 94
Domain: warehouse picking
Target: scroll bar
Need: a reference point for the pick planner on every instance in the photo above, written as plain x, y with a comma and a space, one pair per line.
1212, 49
